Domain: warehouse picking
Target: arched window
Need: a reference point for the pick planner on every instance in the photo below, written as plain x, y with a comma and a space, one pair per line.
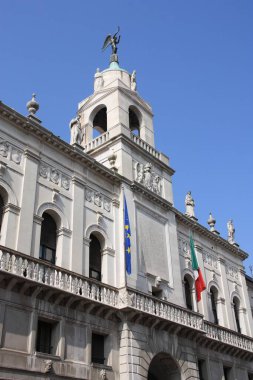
188, 292
100, 122
134, 120
236, 305
95, 258
214, 296
48, 238
1, 211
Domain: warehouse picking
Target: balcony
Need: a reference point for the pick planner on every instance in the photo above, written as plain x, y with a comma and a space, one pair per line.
72, 288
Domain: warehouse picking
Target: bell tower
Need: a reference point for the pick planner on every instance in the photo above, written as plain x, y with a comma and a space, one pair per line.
117, 128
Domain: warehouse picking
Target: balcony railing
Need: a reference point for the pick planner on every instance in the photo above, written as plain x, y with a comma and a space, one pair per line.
227, 336
97, 142
146, 146
165, 310
44, 273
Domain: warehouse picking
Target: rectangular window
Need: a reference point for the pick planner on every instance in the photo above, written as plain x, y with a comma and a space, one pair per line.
44, 341
98, 348
202, 369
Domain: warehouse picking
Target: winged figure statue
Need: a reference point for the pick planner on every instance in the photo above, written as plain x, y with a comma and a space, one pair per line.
113, 41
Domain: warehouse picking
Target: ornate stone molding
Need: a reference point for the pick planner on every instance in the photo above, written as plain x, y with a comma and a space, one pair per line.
10, 152
55, 176
98, 199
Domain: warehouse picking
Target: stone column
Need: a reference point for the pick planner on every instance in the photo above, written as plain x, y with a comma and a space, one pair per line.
76, 253
37, 222
9, 225
108, 266
63, 248
119, 243
25, 227
86, 256
225, 290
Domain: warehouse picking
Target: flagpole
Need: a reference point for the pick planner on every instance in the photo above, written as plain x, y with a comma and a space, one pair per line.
124, 248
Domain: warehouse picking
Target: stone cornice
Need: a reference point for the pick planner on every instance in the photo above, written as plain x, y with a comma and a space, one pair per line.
35, 128
195, 226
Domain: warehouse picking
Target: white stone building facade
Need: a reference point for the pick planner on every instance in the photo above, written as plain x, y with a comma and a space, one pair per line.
68, 310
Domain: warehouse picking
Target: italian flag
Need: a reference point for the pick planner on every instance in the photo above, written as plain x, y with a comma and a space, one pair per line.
199, 281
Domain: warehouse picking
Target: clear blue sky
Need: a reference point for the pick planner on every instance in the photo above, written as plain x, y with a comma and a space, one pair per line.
194, 62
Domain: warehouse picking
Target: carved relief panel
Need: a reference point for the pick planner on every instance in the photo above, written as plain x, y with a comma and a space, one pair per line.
98, 199
55, 176
145, 175
10, 152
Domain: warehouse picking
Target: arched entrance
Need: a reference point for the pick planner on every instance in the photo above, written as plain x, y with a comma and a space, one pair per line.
163, 367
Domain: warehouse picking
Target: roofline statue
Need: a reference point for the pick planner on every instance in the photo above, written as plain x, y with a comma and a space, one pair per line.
113, 41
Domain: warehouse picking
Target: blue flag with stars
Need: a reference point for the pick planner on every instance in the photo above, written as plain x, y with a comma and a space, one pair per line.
127, 238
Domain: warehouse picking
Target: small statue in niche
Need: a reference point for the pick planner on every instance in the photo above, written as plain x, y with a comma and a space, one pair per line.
148, 176
133, 81
157, 184
76, 131
189, 205
231, 231
99, 82
139, 172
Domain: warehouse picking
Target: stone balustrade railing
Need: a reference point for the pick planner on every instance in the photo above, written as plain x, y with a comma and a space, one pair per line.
97, 142
227, 336
45, 273
42, 272
162, 309
146, 146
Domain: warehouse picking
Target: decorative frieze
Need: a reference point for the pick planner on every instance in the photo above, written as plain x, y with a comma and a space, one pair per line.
183, 246
210, 259
55, 176
98, 199
147, 177
232, 272
10, 152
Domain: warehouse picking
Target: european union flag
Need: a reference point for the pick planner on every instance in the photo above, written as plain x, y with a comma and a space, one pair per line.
127, 238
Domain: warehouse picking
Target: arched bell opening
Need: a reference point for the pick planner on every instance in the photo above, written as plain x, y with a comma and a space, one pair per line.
134, 120
100, 122
163, 367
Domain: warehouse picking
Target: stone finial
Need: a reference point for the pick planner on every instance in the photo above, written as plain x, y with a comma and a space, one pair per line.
189, 206
231, 232
112, 161
211, 221
32, 106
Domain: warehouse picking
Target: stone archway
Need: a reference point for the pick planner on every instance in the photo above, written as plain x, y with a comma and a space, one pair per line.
163, 367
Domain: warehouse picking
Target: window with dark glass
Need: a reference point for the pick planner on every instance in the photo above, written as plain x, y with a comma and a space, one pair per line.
188, 293
202, 370
48, 238
98, 348
1, 211
44, 337
227, 373
95, 258
213, 304
236, 313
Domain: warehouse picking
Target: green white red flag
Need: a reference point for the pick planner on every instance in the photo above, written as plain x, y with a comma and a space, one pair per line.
199, 281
